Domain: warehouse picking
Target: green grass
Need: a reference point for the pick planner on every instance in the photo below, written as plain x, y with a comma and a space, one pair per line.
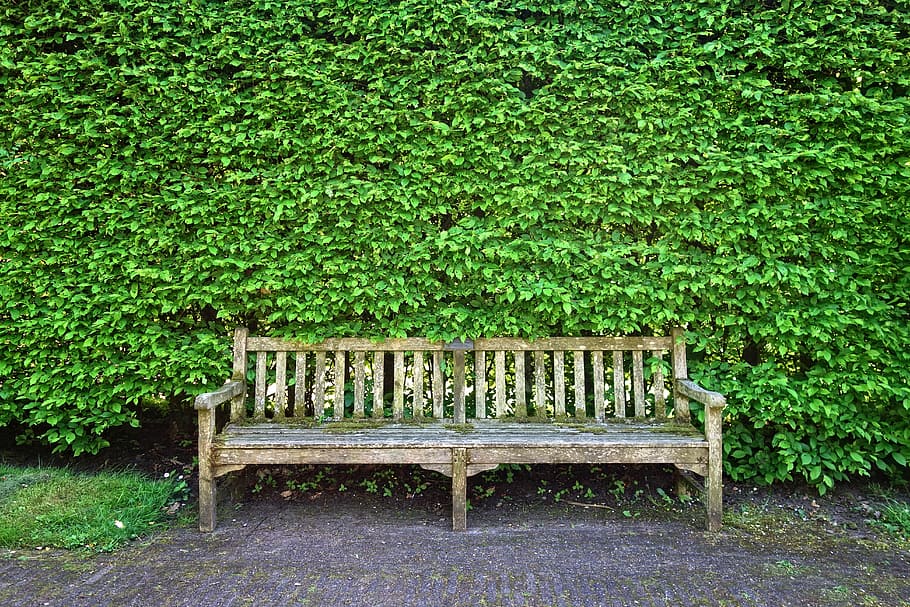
894, 517
59, 508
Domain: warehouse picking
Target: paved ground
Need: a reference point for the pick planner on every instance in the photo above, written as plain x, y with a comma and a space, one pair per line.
341, 549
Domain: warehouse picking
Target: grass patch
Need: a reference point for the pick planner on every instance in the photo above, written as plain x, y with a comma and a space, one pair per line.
893, 516
59, 508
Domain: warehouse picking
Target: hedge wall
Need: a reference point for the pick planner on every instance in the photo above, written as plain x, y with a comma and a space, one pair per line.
169, 169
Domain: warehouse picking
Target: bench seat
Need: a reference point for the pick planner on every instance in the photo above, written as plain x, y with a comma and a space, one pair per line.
517, 442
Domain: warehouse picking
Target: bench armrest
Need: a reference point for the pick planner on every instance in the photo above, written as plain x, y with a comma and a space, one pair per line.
210, 400
696, 392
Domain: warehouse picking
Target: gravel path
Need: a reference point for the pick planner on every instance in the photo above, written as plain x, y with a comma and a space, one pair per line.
321, 552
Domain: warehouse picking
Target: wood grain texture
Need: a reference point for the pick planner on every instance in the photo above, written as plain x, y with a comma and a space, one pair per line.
411, 344
540, 385
619, 386
319, 386
338, 384
261, 385
597, 361
378, 385
240, 352
398, 386
210, 400
354, 344
459, 489
500, 379
714, 489
238, 372
573, 343
300, 384
638, 383
281, 385
417, 376
359, 384
658, 387
680, 372
559, 384
489, 434
578, 367
207, 501
438, 386
708, 398
458, 385
480, 384
521, 402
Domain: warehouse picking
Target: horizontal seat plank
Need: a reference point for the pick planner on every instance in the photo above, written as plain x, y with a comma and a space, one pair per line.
512, 436
297, 454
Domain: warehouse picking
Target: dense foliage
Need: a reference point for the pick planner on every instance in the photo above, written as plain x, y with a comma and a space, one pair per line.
476, 167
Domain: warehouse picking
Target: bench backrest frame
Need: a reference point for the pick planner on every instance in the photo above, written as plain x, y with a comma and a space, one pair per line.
311, 361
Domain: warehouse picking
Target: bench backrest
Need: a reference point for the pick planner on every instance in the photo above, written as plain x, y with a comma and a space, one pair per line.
592, 378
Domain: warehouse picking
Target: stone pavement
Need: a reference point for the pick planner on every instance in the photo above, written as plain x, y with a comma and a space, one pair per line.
339, 552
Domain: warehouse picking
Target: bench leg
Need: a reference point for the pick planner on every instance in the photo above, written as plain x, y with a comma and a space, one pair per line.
206, 471
714, 490
206, 500
459, 489
715, 481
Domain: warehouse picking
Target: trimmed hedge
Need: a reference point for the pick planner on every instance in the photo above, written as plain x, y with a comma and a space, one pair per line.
170, 169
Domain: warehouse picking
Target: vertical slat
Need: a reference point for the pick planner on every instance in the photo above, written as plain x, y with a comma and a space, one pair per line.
398, 393
238, 411
458, 388
521, 404
500, 380
319, 386
638, 382
378, 384
480, 384
359, 382
578, 366
338, 412
657, 385
540, 387
281, 384
619, 386
680, 372
240, 335
300, 385
418, 385
597, 361
261, 379
438, 385
559, 384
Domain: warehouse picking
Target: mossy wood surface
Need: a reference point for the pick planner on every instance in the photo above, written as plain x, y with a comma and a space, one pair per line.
431, 421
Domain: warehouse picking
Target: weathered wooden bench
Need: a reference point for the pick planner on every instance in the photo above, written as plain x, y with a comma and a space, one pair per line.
458, 408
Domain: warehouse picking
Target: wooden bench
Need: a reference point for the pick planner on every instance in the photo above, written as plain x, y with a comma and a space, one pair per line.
458, 408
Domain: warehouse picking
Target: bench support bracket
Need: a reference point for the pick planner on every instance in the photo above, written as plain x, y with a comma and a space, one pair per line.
446, 469
225, 468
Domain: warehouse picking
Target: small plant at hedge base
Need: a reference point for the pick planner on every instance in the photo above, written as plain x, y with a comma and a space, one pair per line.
893, 516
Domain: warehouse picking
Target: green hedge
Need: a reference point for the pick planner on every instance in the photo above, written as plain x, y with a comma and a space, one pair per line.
170, 169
